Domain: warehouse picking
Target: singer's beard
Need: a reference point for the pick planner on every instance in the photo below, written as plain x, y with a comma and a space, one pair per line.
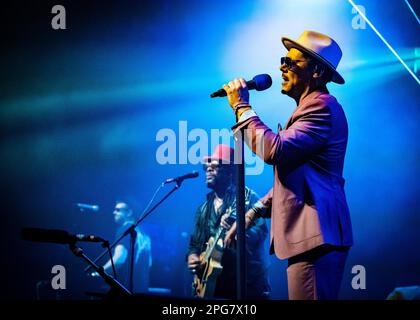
285, 89
291, 90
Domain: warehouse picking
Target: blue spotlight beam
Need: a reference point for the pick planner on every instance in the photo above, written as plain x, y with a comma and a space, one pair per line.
412, 10
384, 41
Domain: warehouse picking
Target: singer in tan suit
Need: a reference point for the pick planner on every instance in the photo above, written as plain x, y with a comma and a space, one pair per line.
310, 221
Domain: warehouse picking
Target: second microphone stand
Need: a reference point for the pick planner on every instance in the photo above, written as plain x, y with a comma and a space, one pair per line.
117, 289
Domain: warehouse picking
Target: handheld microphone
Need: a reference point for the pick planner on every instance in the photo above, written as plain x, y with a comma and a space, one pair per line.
56, 236
179, 179
260, 82
84, 206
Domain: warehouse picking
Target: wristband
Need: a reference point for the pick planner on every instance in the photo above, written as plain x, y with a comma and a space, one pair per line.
240, 105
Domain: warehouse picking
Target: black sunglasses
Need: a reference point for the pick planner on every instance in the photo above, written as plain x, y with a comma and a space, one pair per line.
216, 166
288, 62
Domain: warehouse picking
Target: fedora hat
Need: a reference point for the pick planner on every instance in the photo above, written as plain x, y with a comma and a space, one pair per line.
320, 47
221, 153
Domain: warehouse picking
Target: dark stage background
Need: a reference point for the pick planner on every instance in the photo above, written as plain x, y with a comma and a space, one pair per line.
80, 110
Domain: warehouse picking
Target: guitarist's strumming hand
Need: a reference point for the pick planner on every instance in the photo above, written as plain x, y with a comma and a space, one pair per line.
194, 262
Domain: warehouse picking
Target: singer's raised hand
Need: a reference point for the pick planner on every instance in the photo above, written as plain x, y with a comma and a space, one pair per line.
237, 93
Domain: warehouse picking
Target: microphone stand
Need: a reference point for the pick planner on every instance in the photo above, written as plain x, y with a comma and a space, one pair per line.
240, 216
116, 288
133, 236
131, 230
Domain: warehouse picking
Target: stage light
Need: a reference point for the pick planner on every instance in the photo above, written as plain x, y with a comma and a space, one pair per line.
412, 10
417, 59
384, 41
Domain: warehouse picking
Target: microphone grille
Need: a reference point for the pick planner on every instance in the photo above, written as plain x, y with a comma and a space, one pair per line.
262, 82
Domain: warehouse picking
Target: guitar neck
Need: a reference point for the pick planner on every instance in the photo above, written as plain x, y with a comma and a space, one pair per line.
219, 233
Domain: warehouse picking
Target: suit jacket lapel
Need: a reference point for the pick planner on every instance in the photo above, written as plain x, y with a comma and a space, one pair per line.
289, 122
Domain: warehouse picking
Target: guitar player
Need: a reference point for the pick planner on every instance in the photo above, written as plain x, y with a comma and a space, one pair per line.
219, 171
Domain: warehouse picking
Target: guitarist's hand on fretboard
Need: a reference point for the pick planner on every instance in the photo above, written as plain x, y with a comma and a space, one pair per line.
224, 221
231, 234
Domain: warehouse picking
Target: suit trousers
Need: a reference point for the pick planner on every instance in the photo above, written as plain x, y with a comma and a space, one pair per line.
316, 274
